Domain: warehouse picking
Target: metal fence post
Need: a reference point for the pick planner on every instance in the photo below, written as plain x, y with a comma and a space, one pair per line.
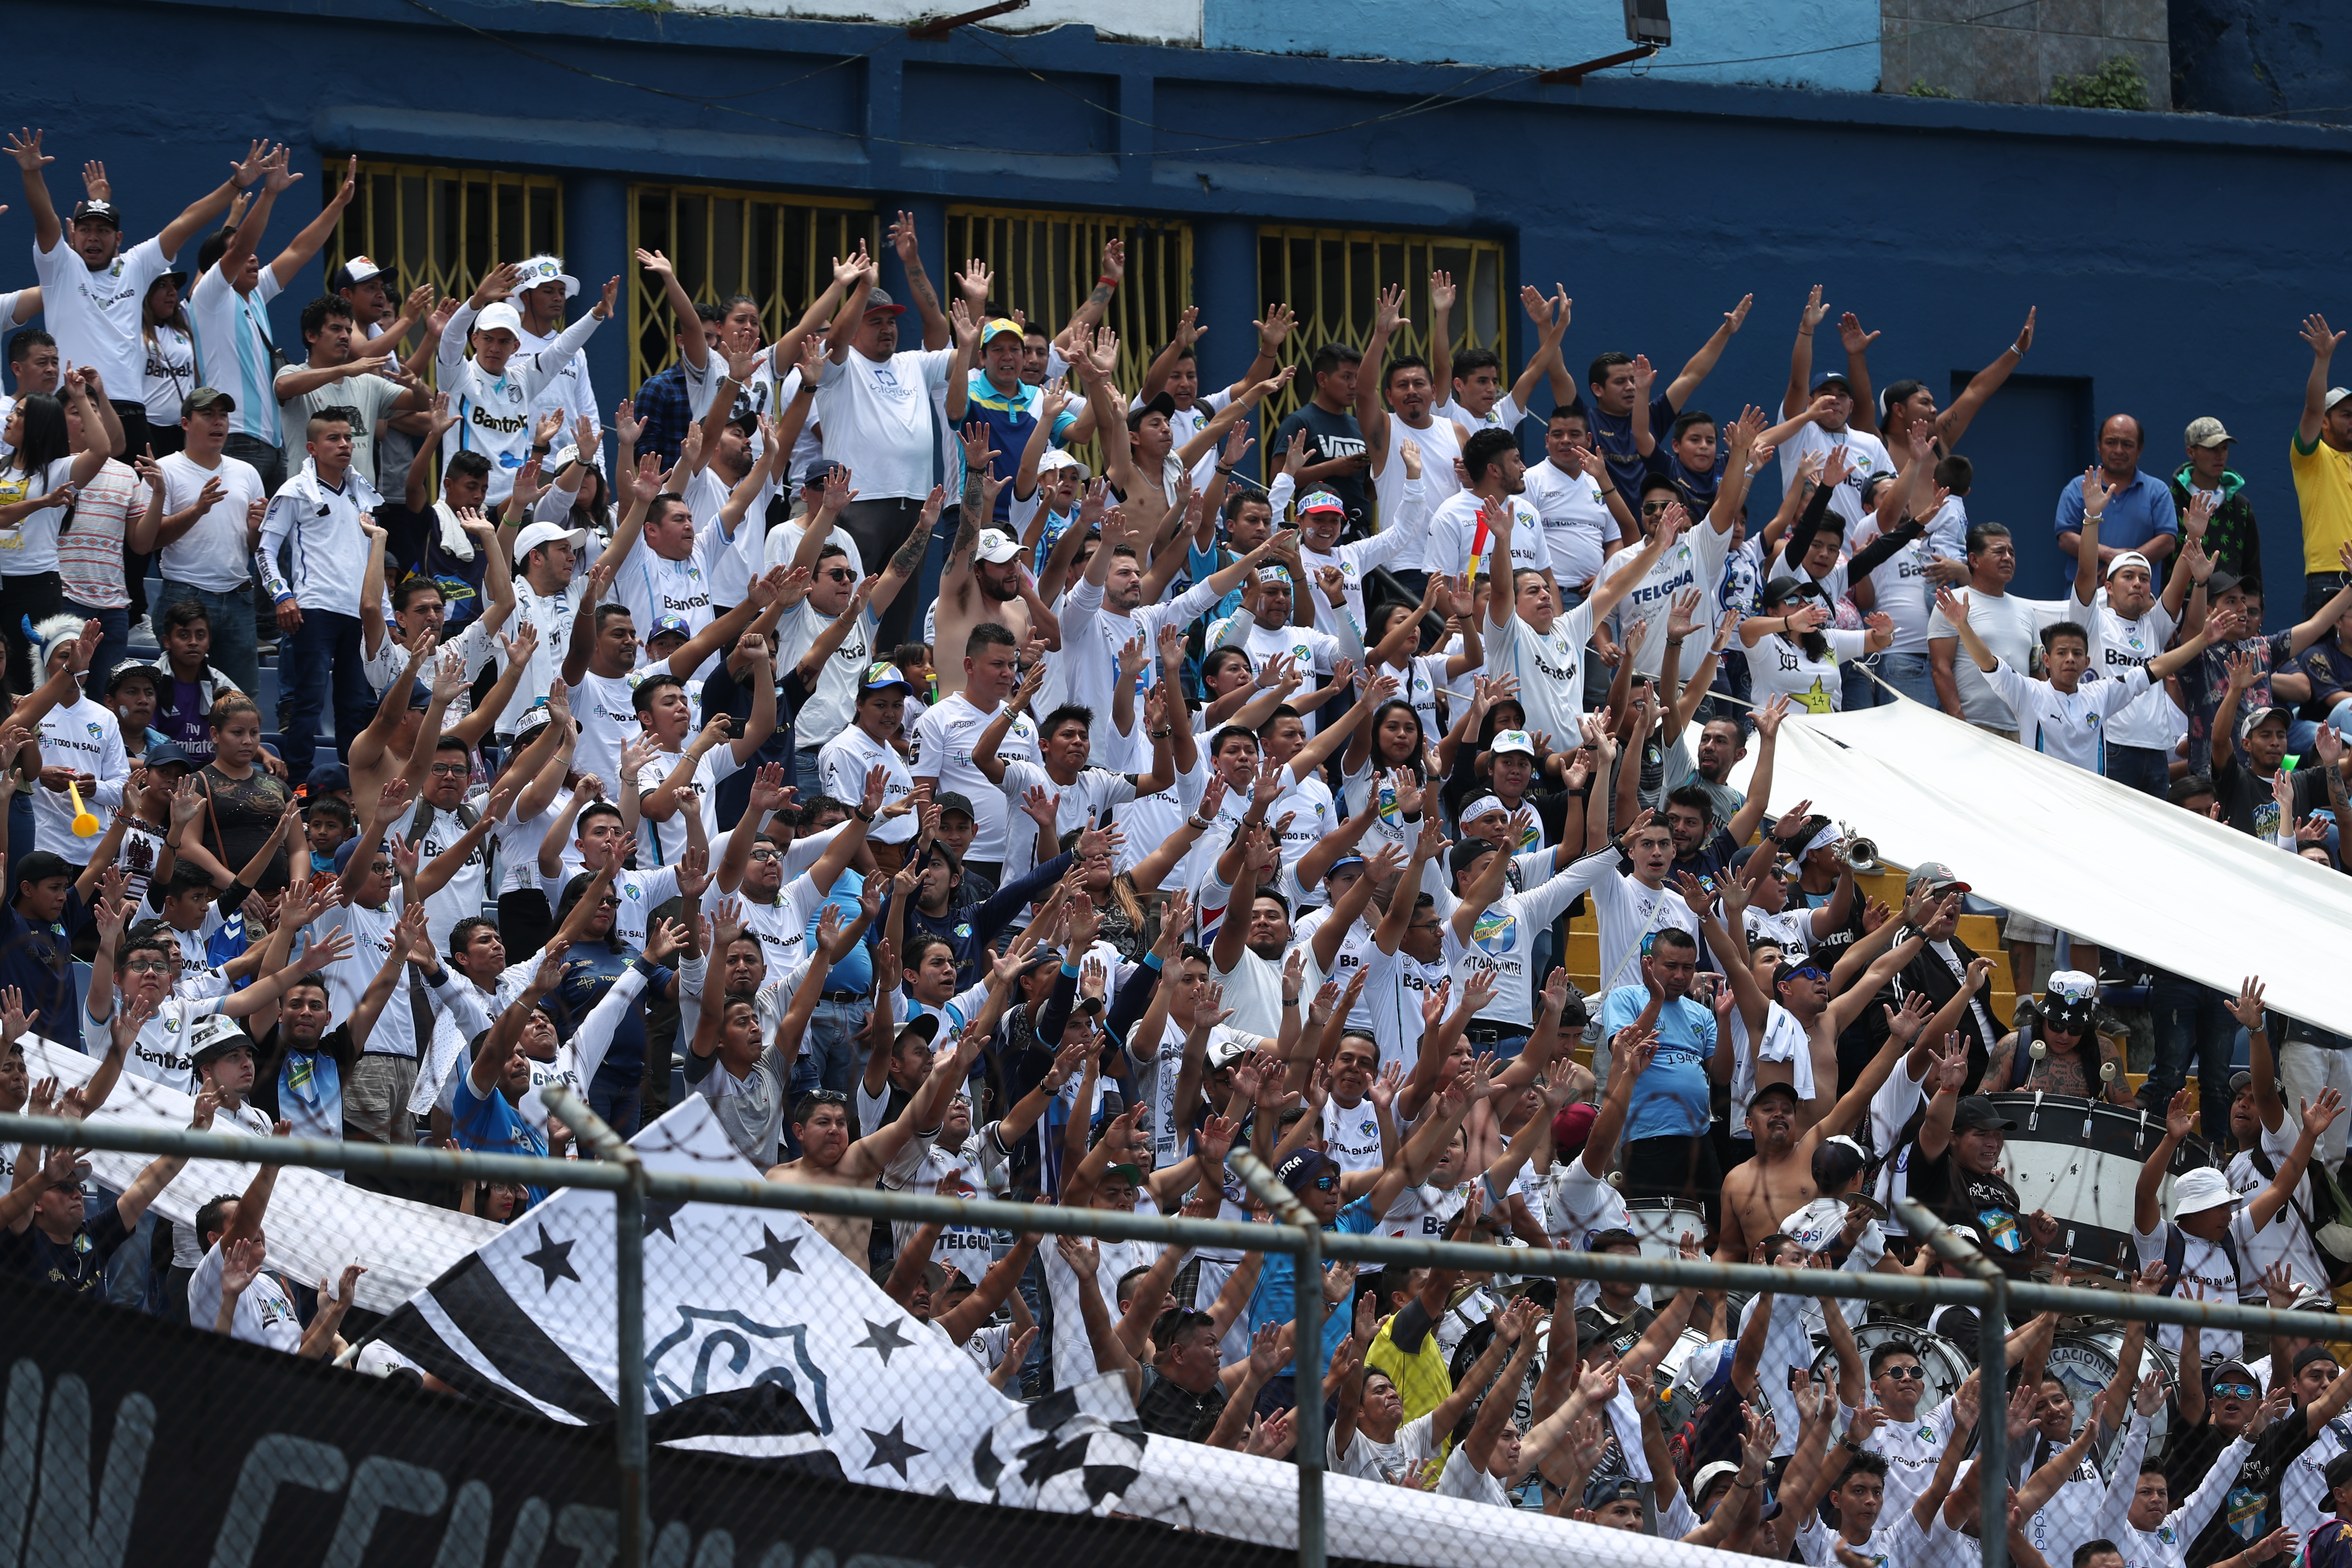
1307, 1375
598, 1138
1992, 1377
1306, 1361
1993, 1421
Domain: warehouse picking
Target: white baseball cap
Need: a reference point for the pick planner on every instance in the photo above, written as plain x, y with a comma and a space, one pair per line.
1514, 741
1056, 460
996, 546
501, 314
2194, 1192
539, 534
544, 270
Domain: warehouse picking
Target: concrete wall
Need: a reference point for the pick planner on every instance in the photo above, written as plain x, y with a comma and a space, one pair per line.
2264, 57
1658, 202
2008, 55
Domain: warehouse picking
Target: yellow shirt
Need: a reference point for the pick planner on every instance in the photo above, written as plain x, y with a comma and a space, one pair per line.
1422, 1380
2322, 487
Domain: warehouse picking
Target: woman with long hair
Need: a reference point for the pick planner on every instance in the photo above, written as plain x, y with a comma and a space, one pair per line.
1383, 769
243, 799
1798, 658
39, 481
170, 362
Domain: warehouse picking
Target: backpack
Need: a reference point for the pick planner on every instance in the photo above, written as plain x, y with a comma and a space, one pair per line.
2176, 1248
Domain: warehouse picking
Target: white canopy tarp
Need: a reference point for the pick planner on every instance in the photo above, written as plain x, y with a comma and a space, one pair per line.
2076, 851
316, 1223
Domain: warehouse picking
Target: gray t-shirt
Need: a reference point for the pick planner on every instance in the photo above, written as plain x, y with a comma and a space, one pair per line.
371, 396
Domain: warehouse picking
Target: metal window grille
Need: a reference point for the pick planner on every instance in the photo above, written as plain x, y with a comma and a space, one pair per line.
1046, 263
1331, 280
777, 248
446, 227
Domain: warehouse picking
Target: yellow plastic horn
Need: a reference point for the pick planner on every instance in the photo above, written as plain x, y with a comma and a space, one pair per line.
85, 822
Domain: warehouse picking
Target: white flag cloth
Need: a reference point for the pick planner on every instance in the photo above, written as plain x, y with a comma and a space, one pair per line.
2075, 851
735, 1298
316, 1224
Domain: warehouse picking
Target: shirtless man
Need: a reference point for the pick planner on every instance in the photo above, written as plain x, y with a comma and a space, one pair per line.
828, 1158
985, 578
1779, 1179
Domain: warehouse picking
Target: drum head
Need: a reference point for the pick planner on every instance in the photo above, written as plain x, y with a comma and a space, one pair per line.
2085, 1362
2079, 1161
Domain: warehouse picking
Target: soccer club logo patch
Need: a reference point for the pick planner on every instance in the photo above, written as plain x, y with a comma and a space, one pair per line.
1495, 933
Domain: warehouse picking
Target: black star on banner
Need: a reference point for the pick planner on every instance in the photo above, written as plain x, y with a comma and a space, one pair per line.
891, 1448
657, 1214
882, 1339
553, 1260
775, 1255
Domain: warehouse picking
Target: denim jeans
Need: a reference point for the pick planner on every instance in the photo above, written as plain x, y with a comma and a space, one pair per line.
231, 615
2191, 1020
2318, 587
326, 648
2144, 768
836, 1032
1857, 690
113, 640
1909, 674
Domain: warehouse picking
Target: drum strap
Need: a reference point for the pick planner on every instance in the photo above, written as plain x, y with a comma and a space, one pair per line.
2263, 1163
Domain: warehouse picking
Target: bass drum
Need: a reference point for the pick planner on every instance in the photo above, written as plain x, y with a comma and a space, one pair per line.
1946, 1367
2085, 1359
1662, 1222
2080, 1160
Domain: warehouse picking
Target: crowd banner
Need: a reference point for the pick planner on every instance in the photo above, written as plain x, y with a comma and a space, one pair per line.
2075, 851
318, 1224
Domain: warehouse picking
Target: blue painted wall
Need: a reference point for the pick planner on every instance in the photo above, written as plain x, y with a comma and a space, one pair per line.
1812, 42
2262, 57
2170, 257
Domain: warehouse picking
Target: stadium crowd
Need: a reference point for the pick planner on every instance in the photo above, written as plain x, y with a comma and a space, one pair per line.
1053, 823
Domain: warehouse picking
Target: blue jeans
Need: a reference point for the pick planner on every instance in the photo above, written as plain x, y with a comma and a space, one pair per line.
231, 613
113, 640
1907, 673
1857, 690
614, 1099
326, 647
2191, 1019
2144, 768
830, 1045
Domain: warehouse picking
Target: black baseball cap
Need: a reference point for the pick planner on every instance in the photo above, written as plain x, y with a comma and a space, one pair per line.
206, 398
1979, 1114
104, 211
1162, 405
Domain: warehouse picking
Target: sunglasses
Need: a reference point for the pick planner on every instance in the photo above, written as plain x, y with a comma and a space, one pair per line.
841, 577
1811, 972
1904, 1374
826, 1097
1326, 1182
2234, 1391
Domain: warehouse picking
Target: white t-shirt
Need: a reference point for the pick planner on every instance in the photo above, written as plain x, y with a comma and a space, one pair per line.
171, 367
1454, 530
834, 702
1578, 525
1912, 1451
1502, 944
664, 843
1629, 912
30, 545
1902, 590
264, 1314
1865, 453
1579, 1206
1695, 561
1779, 666
653, 586
943, 743
731, 560
160, 1054
86, 738
1549, 667
878, 419
213, 554
841, 767
2067, 725
1086, 801
2286, 1238
1395, 986
1351, 1135
95, 316
607, 713
2123, 645
2205, 1262
494, 411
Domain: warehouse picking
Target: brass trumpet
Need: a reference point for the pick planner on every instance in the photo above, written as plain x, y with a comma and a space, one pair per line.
1858, 856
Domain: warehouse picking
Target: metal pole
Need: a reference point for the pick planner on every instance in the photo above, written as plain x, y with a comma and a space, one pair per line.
1307, 1362
598, 1138
1306, 1375
1992, 1422
1992, 1377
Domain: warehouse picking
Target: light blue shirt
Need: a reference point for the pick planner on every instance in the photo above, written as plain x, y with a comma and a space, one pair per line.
2137, 513
1669, 1099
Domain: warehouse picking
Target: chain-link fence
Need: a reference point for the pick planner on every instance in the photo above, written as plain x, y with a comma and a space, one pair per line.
653, 1355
